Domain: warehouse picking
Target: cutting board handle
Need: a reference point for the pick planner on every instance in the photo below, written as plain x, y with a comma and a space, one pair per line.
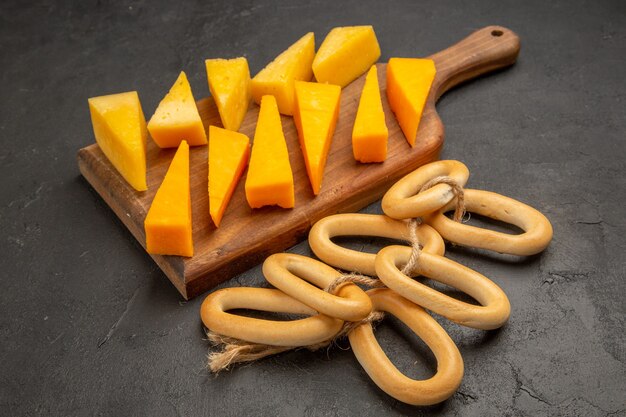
483, 51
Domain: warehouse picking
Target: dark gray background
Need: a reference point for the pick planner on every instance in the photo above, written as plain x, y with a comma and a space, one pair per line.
89, 324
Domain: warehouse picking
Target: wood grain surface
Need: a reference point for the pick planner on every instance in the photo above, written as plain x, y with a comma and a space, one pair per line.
247, 236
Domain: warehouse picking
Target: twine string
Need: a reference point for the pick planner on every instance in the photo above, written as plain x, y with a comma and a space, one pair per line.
459, 211
416, 250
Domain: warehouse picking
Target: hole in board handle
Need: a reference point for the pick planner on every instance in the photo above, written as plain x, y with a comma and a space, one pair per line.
497, 33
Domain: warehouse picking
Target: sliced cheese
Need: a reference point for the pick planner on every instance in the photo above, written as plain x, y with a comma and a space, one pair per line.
229, 82
177, 118
168, 223
408, 85
228, 156
316, 112
277, 78
346, 53
120, 130
369, 135
269, 180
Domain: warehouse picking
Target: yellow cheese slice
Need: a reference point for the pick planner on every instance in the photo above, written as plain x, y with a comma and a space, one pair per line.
228, 156
316, 112
269, 180
408, 85
346, 53
177, 118
229, 82
278, 76
168, 223
120, 130
369, 135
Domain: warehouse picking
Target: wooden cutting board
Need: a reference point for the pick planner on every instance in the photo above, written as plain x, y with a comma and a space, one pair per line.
246, 237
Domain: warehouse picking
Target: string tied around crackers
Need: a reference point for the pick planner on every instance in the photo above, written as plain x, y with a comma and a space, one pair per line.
334, 305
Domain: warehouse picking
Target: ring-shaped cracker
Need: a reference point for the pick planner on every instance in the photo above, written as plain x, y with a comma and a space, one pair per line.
404, 199
302, 278
302, 332
382, 371
365, 225
493, 312
537, 228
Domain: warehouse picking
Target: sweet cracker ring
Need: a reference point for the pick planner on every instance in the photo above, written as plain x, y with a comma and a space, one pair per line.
382, 371
537, 228
302, 332
364, 225
293, 274
492, 313
404, 199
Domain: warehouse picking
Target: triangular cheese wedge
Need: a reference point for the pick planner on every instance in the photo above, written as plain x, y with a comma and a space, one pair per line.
408, 85
228, 156
229, 82
168, 223
278, 76
269, 180
120, 130
346, 53
369, 135
177, 118
316, 112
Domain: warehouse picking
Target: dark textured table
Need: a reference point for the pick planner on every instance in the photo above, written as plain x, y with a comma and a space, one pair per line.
90, 326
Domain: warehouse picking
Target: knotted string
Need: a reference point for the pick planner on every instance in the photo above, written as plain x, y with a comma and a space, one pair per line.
459, 211
355, 279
